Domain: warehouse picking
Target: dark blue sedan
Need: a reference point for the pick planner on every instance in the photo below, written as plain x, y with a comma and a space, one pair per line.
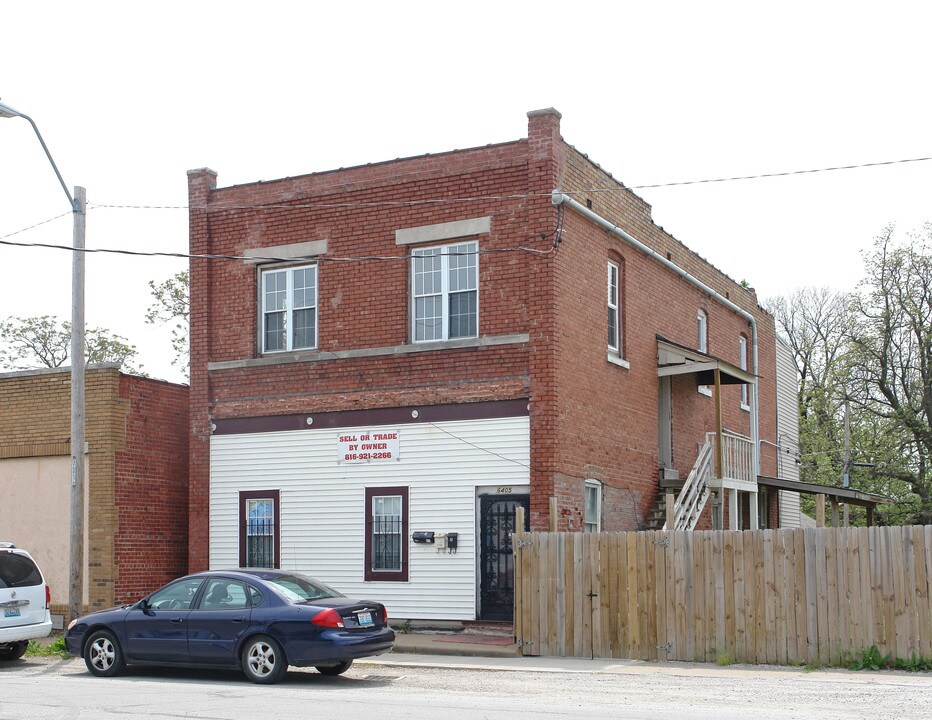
259, 620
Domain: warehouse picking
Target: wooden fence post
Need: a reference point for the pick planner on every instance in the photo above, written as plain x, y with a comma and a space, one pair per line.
820, 510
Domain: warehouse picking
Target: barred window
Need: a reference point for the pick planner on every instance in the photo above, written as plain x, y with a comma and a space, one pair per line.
259, 530
386, 533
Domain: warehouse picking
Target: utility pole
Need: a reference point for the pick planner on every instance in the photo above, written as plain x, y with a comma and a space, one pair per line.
76, 560
79, 212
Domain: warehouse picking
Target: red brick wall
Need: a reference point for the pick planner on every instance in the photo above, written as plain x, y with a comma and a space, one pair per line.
151, 487
589, 418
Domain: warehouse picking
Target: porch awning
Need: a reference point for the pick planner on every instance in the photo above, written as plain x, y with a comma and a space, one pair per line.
674, 359
845, 495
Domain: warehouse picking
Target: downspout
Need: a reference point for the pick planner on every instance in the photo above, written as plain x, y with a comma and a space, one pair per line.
558, 198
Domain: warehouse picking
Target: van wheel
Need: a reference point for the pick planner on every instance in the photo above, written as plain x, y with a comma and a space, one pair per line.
13, 650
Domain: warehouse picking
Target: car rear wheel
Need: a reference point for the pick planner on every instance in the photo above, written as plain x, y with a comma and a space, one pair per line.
337, 669
263, 660
13, 650
103, 654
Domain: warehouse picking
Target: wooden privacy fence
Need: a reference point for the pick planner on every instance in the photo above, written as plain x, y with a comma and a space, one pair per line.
768, 596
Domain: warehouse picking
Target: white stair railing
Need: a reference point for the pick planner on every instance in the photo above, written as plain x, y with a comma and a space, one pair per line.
691, 500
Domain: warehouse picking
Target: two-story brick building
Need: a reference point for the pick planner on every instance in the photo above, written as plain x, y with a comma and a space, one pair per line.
415, 347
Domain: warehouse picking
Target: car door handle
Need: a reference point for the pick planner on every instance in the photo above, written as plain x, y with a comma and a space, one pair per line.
177, 620
238, 619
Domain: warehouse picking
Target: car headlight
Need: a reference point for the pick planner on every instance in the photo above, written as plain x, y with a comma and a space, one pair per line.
72, 623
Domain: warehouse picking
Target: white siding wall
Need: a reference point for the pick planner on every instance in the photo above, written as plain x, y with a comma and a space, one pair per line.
322, 504
787, 432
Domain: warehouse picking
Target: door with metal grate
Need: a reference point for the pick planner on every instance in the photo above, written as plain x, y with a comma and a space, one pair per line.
496, 560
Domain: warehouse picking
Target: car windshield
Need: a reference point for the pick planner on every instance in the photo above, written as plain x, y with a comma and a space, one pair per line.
299, 588
18, 571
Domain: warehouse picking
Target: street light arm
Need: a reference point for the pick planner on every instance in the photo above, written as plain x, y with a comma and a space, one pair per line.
7, 111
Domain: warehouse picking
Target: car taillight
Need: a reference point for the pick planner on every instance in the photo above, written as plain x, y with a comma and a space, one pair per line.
328, 618
384, 615
48, 597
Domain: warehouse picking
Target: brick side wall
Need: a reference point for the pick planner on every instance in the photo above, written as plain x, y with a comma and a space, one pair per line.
609, 413
151, 487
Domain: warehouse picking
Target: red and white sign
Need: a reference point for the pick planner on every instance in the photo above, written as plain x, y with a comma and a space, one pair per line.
368, 446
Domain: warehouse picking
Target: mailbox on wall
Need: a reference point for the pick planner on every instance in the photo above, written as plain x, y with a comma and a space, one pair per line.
423, 536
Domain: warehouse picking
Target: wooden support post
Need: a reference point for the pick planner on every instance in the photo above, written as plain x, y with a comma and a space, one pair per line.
835, 520
846, 521
719, 444
733, 510
820, 510
553, 514
671, 515
870, 516
519, 519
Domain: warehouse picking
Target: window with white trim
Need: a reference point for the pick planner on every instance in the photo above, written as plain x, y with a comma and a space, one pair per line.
445, 292
702, 342
289, 308
743, 364
593, 520
702, 326
614, 310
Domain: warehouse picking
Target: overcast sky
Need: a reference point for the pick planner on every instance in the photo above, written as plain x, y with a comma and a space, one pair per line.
130, 96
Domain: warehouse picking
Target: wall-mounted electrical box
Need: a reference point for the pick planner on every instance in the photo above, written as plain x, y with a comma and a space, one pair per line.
423, 536
451, 541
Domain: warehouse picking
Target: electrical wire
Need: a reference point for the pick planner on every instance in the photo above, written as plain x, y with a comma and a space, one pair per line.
272, 258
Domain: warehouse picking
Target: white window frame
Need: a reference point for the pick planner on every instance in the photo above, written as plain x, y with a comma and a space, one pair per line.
702, 327
614, 309
702, 342
446, 252
289, 309
592, 486
743, 364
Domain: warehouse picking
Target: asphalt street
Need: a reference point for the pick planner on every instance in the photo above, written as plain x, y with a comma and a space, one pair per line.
450, 688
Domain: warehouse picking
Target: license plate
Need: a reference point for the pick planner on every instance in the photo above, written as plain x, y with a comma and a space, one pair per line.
14, 612
364, 618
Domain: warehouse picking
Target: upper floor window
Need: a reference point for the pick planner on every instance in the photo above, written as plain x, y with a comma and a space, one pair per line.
614, 309
593, 506
702, 326
289, 309
743, 364
445, 290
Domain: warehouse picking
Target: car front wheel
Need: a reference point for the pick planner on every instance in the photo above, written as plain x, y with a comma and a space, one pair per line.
263, 660
337, 669
103, 654
13, 650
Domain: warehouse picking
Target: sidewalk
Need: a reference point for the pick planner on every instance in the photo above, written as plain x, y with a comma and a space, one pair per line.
459, 644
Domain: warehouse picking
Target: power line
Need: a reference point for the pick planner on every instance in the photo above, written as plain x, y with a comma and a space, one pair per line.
270, 258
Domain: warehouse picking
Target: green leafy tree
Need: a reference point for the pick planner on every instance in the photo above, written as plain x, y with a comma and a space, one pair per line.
890, 358
172, 305
45, 341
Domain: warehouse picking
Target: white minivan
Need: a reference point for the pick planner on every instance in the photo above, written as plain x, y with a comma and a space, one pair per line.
24, 602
